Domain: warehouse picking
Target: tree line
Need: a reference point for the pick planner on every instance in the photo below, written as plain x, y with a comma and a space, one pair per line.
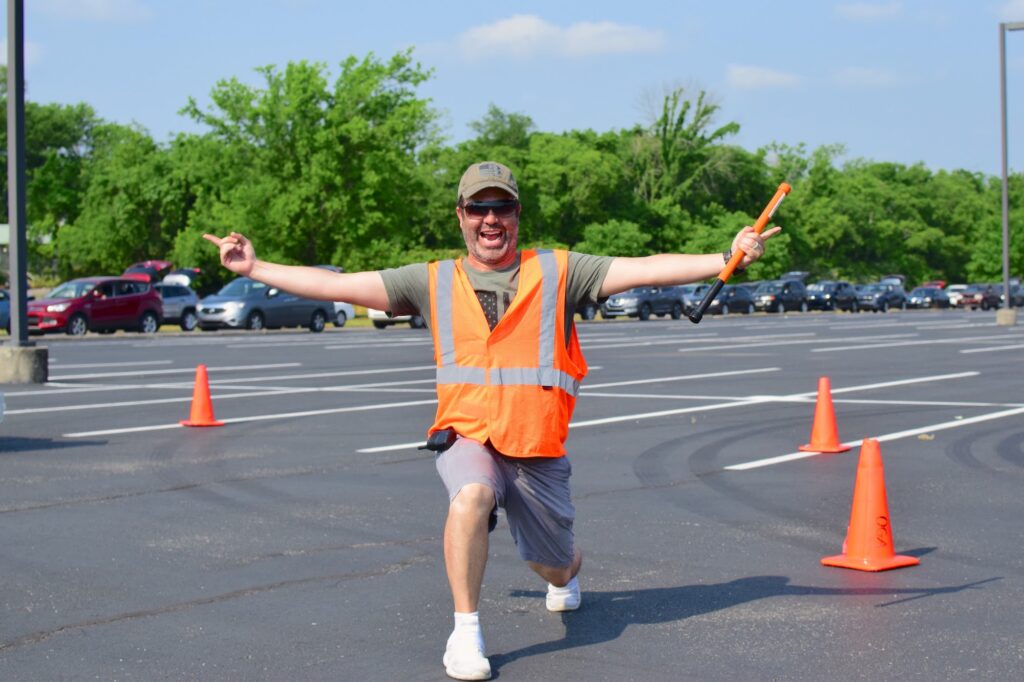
354, 170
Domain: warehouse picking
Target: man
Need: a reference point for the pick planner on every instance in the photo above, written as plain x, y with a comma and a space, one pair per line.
508, 370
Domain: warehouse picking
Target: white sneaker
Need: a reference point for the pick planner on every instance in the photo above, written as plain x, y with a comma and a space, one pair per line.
564, 598
464, 657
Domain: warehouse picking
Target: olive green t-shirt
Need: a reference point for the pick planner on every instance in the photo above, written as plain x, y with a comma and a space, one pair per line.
409, 292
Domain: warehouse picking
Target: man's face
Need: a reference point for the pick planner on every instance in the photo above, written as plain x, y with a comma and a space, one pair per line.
491, 230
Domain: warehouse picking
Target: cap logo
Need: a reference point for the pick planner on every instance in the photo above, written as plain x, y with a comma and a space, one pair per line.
491, 170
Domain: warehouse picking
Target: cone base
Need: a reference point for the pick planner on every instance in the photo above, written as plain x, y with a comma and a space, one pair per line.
864, 564
189, 422
811, 447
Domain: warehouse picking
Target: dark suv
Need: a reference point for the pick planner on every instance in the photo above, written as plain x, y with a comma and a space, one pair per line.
778, 296
643, 302
880, 297
832, 295
99, 304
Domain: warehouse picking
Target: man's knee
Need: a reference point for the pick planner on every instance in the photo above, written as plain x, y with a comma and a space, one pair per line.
474, 499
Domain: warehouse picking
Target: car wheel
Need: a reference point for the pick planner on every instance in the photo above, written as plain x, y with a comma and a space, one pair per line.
677, 311
254, 321
803, 306
780, 307
189, 320
725, 308
149, 323
341, 319
884, 308
77, 326
750, 309
380, 324
645, 312
984, 305
318, 321
417, 322
588, 312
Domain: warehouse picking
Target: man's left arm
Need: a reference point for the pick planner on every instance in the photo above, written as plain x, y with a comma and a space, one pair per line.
667, 269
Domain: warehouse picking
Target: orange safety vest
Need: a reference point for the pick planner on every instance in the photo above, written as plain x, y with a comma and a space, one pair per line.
516, 385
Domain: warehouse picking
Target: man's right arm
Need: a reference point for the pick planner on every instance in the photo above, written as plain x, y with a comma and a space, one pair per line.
360, 288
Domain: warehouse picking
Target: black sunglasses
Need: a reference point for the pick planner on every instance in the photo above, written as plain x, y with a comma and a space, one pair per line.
501, 208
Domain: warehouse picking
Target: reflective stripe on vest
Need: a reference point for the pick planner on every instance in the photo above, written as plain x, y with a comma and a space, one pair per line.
545, 374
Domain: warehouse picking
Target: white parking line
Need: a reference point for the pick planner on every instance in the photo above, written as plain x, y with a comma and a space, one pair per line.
962, 339
993, 349
750, 400
941, 426
234, 368
684, 377
262, 417
767, 343
90, 365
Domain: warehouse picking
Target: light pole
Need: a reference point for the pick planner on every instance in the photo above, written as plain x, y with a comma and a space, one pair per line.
1007, 316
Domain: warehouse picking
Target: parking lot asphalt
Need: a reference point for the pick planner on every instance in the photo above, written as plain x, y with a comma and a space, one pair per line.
302, 539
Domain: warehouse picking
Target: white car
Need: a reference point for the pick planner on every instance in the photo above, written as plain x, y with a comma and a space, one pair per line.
381, 320
343, 312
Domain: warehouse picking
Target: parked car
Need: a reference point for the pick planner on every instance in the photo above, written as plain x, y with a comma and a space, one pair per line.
693, 294
587, 311
799, 275
381, 320
976, 296
936, 283
1016, 296
832, 295
928, 297
193, 278
5, 311
180, 304
643, 302
244, 303
955, 291
732, 299
154, 270
778, 296
102, 304
343, 312
881, 297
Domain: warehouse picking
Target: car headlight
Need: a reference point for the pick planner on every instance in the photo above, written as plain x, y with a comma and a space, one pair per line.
57, 307
627, 300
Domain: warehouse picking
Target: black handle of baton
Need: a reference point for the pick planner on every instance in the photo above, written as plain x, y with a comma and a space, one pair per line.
697, 313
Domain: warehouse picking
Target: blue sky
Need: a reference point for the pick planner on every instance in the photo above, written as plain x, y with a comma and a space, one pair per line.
893, 80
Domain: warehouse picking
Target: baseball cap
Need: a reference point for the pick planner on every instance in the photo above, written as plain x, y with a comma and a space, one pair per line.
487, 174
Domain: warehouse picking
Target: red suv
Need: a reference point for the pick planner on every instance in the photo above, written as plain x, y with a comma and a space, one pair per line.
99, 304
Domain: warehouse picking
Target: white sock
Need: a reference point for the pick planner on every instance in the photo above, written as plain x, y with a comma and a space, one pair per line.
468, 625
569, 587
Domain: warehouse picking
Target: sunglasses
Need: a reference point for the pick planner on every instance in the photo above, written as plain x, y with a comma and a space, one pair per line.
502, 208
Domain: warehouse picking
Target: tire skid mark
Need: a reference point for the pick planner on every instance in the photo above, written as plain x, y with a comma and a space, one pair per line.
36, 637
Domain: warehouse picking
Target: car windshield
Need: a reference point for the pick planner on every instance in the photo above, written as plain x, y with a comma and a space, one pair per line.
72, 290
922, 291
769, 288
872, 288
241, 287
821, 286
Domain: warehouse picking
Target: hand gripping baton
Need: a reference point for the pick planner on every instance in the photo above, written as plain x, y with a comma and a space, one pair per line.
697, 313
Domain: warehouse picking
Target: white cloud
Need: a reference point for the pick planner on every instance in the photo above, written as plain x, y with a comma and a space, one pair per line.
119, 11
1012, 10
870, 11
757, 77
860, 77
526, 35
33, 52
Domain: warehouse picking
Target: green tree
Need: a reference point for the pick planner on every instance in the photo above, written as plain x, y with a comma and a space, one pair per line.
614, 238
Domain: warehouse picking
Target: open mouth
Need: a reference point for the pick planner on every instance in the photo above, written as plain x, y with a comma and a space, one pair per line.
492, 238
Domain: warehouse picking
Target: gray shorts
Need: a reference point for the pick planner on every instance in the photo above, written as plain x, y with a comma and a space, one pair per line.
533, 491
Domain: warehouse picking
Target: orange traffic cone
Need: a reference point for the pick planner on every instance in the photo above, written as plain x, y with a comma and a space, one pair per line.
202, 408
824, 434
868, 544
